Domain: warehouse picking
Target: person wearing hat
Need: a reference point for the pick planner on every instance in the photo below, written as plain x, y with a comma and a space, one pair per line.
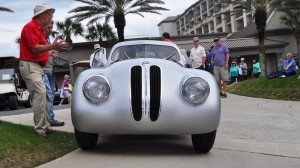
243, 69
34, 53
98, 58
220, 61
198, 55
234, 72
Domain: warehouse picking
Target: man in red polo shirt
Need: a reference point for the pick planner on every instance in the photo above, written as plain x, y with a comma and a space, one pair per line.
34, 53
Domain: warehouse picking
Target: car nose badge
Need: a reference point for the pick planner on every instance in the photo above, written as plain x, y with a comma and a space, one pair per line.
145, 63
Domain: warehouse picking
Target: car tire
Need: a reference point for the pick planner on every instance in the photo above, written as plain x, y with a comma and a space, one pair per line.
28, 104
86, 141
1, 108
203, 143
13, 102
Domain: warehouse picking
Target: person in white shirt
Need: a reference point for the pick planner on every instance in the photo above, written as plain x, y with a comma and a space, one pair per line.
98, 58
197, 55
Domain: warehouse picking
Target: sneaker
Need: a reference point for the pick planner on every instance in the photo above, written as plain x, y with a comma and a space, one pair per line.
224, 95
49, 131
56, 123
44, 135
221, 94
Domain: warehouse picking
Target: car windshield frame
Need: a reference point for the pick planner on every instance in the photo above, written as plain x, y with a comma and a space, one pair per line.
145, 51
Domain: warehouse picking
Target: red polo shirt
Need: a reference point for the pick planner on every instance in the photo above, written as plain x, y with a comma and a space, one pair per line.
169, 41
33, 35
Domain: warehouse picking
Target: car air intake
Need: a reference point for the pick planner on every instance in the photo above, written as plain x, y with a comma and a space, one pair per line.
155, 92
136, 92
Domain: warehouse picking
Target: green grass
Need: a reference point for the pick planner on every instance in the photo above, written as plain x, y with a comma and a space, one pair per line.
281, 89
20, 147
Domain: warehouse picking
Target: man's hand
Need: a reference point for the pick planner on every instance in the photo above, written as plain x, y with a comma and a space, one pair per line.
53, 53
226, 66
60, 44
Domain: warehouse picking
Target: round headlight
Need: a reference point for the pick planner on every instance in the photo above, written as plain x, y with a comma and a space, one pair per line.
96, 89
195, 90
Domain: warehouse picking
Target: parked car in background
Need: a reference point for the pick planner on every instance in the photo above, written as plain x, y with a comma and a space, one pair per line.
145, 89
13, 91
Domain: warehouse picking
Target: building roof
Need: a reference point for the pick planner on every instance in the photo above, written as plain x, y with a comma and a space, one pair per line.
169, 19
238, 44
273, 25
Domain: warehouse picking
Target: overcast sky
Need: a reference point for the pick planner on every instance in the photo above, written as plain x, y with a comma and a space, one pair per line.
11, 24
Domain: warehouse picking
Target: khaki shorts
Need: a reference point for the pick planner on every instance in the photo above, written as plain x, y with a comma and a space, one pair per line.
220, 73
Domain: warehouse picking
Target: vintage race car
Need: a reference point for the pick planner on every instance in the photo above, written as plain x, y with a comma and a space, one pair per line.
146, 89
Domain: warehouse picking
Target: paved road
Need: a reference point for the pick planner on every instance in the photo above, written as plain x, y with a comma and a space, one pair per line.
253, 132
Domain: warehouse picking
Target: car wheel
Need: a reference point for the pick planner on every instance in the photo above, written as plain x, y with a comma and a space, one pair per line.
86, 141
13, 102
203, 143
28, 104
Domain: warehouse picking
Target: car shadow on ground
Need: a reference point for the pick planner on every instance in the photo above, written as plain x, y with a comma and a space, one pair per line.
144, 145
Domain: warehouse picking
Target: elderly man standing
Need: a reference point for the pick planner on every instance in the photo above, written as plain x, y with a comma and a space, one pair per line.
34, 54
220, 62
198, 55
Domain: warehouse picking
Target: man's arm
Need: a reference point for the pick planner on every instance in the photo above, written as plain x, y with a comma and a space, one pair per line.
54, 46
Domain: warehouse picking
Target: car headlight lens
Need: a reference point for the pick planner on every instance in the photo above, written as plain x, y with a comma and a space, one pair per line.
195, 90
96, 89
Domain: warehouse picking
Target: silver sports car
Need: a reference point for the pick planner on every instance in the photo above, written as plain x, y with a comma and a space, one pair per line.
145, 88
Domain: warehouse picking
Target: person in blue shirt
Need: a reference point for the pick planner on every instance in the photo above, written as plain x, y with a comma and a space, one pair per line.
209, 56
289, 66
234, 72
256, 69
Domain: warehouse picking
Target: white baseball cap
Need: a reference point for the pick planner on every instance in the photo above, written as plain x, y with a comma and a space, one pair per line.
96, 46
41, 8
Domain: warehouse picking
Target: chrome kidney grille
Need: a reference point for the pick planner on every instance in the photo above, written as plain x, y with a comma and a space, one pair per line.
137, 93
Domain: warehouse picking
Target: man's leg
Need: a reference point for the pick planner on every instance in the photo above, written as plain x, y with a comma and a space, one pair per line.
32, 75
50, 95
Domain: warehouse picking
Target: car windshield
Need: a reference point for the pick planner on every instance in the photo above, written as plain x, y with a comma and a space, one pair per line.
6, 74
145, 51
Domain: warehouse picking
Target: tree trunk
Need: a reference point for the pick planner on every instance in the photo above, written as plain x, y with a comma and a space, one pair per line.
262, 53
120, 23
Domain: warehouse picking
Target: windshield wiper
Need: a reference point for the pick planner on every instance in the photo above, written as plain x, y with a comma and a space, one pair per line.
171, 56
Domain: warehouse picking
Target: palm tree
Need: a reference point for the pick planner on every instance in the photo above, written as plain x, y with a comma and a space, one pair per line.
260, 10
100, 32
97, 9
69, 27
292, 20
3, 9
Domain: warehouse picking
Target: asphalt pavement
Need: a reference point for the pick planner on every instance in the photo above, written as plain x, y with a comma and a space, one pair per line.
253, 132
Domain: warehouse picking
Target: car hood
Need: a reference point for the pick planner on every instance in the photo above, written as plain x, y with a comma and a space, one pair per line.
7, 88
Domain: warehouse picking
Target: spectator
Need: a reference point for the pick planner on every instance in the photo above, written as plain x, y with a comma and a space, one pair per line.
280, 65
98, 58
243, 68
167, 38
48, 77
209, 57
256, 69
289, 66
34, 53
220, 62
234, 72
65, 91
197, 55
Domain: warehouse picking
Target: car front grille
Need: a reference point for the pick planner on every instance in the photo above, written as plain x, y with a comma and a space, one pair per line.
155, 91
137, 92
